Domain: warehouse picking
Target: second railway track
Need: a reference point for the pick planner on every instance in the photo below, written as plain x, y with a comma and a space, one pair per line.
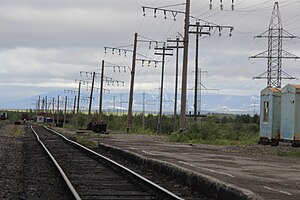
90, 175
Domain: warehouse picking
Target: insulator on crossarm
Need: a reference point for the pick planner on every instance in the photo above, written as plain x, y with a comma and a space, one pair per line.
174, 15
142, 63
144, 12
230, 32
210, 4
125, 53
119, 69
150, 45
165, 14
114, 69
155, 13
220, 31
105, 50
149, 62
119, 52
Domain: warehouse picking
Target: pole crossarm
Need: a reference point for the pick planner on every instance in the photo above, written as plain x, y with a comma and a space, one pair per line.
119, 50
283, 73
70, 91
206, 29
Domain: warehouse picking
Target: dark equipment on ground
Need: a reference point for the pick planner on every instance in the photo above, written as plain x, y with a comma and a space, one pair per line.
59, 124
18, 122
97, 127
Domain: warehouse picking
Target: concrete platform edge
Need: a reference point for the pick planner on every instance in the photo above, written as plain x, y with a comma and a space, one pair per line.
199, 182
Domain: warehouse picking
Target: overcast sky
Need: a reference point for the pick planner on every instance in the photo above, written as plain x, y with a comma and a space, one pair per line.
44, 44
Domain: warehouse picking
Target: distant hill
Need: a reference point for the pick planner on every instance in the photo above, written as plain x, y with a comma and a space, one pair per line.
118, 102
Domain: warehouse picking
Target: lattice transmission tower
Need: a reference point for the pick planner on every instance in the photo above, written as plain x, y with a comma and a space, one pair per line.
275, 53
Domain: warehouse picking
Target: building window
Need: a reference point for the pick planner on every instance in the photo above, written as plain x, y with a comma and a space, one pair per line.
266, 111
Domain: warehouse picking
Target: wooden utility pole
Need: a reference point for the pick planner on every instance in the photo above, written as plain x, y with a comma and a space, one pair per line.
163, 54
198, 33
39, 103
57, 116
143, 117
74, 108
78, 98
177, 47
129, 117
91, 95
196, 73
65, 113
185, 66
101, 88
46, 109
53, 104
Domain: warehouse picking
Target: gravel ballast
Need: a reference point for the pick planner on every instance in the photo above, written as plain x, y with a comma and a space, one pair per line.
26, 171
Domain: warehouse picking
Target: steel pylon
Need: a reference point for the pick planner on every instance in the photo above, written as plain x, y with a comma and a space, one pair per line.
275, 53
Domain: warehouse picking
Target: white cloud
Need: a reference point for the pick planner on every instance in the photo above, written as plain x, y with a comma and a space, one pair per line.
46, 43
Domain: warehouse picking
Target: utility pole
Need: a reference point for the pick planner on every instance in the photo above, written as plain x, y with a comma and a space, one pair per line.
198, 33
143, 117
129, 117
74, 107
200, 72
65, 115
185, 52
134, 60
163, 54
114, 104
57, 117
46, 109
53, 104
78, 98
39, 103
275, 53
177, 47
91, 96
121, 105
185, 66
101, 88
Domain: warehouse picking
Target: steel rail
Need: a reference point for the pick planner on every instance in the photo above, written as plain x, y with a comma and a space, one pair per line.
166, 193
66, 179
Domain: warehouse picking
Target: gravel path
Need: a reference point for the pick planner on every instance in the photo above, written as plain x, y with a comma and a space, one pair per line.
26, 172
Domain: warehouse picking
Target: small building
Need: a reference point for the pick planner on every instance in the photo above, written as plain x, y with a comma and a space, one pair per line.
40, 119
290, 113
3, 115
270, 109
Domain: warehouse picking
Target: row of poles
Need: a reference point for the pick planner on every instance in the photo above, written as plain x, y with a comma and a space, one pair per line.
185, 45
197, 29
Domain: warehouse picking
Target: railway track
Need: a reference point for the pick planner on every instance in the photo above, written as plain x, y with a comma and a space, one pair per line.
90, 175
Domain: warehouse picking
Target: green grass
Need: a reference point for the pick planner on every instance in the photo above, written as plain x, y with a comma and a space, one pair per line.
216, 134
142, 131
286, 154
